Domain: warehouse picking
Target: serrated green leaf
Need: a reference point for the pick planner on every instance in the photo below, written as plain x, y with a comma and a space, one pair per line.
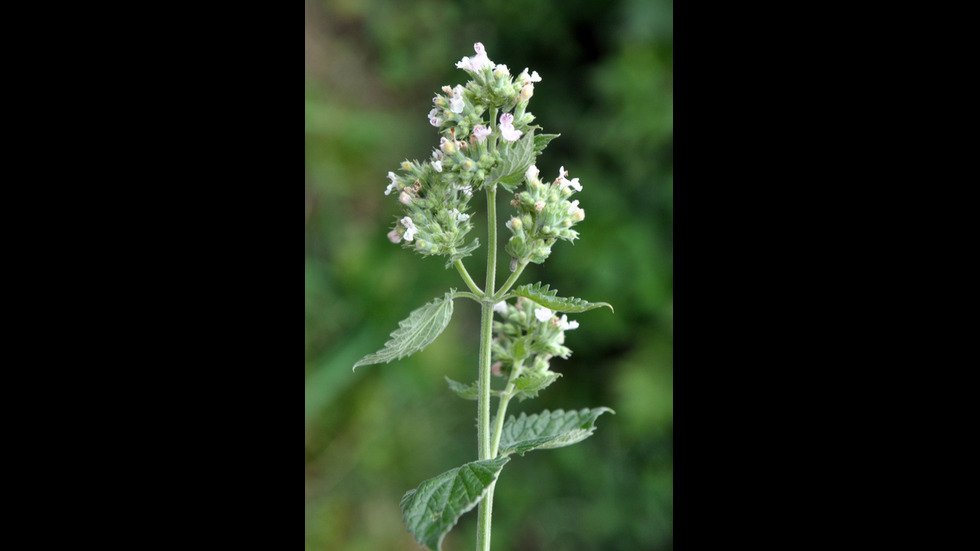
431, 510
549, 299
547, 430
514, 161
466, 392
416, 332
541, 141
529, 384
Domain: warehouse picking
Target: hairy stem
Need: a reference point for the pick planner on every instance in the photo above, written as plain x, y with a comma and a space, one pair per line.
483, 384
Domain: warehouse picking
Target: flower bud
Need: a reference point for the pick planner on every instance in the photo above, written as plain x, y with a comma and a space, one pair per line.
527, 91
514, 224
406, 165
394, 236
513, 264
532, 172
469, 165
447, 89
539, 206
447, 146
578, 215
405, 198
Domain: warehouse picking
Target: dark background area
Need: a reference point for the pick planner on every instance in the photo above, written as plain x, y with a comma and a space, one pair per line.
371, 70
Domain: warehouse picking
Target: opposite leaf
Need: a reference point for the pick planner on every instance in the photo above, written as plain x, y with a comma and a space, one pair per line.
549, 299
548, 429
431, 510
415, 333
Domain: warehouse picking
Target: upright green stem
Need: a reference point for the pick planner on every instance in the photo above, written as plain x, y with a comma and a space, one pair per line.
483, 384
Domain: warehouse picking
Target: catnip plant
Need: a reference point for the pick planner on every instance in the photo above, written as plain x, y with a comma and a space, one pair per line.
487, 143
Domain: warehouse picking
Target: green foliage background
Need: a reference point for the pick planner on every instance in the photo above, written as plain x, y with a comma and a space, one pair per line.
372, 68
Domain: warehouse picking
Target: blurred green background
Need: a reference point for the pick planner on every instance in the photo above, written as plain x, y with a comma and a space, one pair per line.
372, 68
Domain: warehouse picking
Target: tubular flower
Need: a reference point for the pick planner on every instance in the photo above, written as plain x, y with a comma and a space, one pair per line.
434, 118
409, 228
563, 183
507, 129
481, 132
476, 64
393, 186
456, 104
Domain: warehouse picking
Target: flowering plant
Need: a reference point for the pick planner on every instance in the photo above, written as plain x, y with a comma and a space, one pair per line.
488, 142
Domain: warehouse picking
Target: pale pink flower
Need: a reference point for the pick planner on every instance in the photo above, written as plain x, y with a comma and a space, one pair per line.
507, 129
394, 236
434, 118
481, 132
477, 63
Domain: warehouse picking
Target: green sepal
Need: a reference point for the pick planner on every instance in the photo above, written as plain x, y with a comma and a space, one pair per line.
431, 510
549, 299
547, 430
416, 332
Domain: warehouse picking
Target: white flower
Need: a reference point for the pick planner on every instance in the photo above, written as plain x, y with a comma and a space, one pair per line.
507, 129
563, 183
543, 314
566, 325
409, 228
394, 236
459, 216
393, 186
404, 198
434, 118
437, 165
481, 132
501, 308
456, 104
501, 71
524, 78
476, 64
532, 172
467, 190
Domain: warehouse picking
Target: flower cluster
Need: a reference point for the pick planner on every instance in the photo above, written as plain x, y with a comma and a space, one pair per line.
545, 215
527, 338
436, 221
435, 193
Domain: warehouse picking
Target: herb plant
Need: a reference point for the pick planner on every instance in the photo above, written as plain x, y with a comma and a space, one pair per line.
488, 143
